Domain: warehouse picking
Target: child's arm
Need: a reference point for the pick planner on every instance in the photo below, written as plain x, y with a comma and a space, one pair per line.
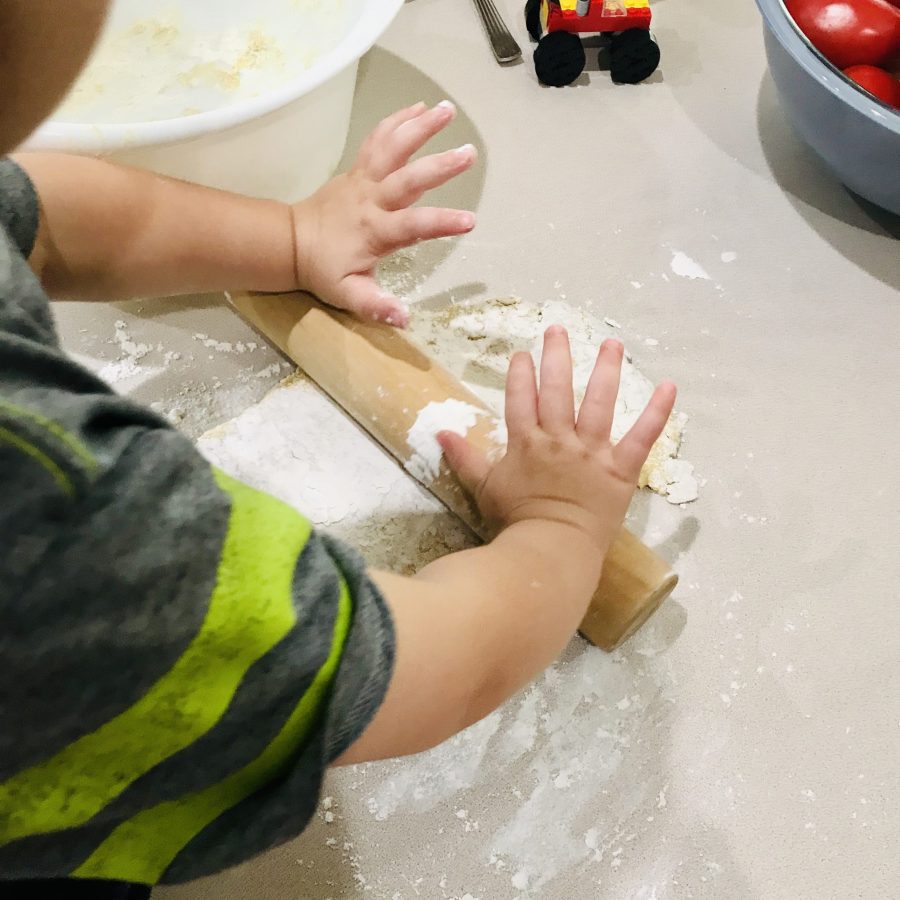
109, 232
475, 627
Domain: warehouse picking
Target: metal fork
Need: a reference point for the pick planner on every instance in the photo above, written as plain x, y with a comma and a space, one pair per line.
503, 44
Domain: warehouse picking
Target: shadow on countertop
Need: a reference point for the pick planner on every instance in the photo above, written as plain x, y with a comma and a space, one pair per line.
834, 212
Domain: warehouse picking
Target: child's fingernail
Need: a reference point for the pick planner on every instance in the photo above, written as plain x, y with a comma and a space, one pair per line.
465, 151
446, 104
396, 320
398, 317
467, 220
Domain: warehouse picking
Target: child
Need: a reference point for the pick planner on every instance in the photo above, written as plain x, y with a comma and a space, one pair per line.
182, 657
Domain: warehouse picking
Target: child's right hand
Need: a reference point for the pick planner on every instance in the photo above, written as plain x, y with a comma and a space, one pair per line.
474, 627
556, 468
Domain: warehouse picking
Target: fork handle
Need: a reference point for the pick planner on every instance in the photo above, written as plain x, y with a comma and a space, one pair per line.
502, 42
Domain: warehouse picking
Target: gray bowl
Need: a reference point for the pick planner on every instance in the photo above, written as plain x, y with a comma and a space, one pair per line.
856, 135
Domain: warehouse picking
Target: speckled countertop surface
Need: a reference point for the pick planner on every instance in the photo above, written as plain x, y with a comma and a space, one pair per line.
746, 744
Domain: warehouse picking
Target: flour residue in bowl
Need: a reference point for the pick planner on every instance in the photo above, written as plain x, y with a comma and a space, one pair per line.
182, 62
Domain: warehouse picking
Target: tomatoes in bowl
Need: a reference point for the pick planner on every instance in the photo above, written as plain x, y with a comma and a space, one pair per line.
877, 82
850, 32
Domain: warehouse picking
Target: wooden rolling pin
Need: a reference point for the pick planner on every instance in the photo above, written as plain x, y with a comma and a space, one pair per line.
383, 381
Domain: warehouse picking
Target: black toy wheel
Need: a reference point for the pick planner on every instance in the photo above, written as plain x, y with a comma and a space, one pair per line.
558, 59
633, 56
533, 18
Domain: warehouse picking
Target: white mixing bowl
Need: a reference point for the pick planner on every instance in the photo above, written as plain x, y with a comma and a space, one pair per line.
283, 140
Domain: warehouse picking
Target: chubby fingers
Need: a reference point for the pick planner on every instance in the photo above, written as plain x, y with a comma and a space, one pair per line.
632, 451
405, 186
362, 295
389, 149
595, 417
470, 465
384, 128
422, 223
388, 125
556, 398
521, 397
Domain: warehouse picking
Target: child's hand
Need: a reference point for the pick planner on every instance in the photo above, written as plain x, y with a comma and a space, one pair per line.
556, 468
475, 626
346, 227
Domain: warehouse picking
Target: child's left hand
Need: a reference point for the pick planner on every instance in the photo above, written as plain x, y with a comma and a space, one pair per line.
343, 229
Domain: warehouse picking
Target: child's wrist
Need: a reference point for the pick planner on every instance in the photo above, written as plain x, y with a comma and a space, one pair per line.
566, 542
302, 228
566, 520
267, 262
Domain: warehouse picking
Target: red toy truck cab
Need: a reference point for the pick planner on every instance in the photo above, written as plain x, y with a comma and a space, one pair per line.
559, 57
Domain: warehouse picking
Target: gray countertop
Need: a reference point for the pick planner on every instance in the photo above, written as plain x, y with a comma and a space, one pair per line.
746, 745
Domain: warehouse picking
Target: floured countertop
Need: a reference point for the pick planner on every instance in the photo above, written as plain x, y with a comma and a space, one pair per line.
572, 727
284, 444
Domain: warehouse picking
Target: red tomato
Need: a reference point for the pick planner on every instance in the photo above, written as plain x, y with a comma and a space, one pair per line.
850, 32
878, 82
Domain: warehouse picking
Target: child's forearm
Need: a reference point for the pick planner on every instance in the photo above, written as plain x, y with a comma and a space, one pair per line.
522, 596
108, 232
475, 627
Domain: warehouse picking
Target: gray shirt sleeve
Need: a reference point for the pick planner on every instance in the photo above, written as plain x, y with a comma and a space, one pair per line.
18, 207
182, 656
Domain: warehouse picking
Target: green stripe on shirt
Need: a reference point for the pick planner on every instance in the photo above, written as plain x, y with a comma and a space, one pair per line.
250, 611
141, 849
70, 441
53, 470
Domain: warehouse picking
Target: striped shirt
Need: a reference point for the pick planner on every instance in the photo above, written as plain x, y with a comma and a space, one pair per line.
181, 656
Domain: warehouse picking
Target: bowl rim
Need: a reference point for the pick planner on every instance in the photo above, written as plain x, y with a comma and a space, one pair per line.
824, 71
373, 21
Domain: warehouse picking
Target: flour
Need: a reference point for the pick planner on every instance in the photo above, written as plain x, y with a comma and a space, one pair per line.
567, 739
675, 478
226, 346
685, 267
128, 366
449, 415
520, 880
286, 445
